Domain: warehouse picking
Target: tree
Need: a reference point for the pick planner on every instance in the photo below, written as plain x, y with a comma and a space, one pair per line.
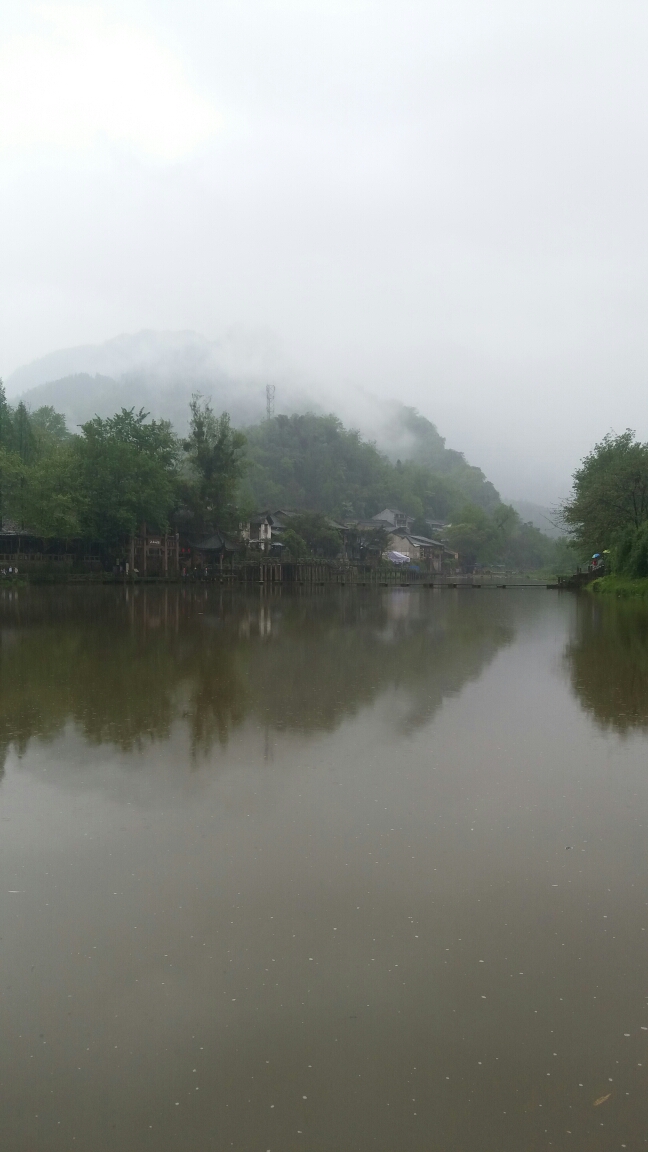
54, 501
471, 535
610, 493
309, 461
367, 544
502, 538
5, 444
24, 440
127, 474
215, 456
425, 450
38, 481
49, 427
294, 546
420, 527
6, 427
12, 486
321, 538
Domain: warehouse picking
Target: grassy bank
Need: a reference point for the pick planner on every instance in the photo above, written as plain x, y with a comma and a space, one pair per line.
621, 586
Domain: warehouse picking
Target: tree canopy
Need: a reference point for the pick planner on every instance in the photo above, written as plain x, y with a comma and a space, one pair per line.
503, 538
313, 462
101, 483
127, 474
214, 454
609, 501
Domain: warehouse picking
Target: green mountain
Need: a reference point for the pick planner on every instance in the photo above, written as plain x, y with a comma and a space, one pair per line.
314, 462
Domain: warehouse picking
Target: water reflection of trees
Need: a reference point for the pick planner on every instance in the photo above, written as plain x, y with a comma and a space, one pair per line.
124, 666
607, 659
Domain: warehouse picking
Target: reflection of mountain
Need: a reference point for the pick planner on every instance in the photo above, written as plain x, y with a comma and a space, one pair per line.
331, 658
608, 662
123, 666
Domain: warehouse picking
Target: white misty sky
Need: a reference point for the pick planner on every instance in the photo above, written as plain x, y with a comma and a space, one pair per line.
441, 202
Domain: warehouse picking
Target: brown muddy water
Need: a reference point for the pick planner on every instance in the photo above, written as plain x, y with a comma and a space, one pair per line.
337, 871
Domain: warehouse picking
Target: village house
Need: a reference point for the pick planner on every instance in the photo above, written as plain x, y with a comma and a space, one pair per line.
429, 554
257, 532
264, 531
392, 518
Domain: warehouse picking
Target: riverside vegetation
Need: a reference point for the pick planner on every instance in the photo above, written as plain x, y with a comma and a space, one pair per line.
100, 483
608, 512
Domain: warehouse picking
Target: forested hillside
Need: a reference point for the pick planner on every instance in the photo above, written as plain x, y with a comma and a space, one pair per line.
100, 483
315, 462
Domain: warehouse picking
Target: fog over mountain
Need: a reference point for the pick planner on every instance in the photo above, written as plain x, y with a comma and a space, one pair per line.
159, 371
435, 203
545, 518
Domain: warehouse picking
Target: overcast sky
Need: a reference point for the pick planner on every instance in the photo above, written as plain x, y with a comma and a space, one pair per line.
441, 202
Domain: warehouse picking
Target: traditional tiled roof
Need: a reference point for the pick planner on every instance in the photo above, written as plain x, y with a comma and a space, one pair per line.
217, 542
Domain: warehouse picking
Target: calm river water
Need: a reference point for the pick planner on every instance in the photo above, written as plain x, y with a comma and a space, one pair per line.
337, 871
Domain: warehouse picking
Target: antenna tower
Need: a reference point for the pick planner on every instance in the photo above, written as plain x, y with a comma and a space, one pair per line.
270, 395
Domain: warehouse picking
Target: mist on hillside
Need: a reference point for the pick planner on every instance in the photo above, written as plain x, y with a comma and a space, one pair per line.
437, 204
160, 371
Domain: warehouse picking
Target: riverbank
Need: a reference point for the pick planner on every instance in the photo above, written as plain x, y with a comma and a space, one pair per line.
620, 586
307, 573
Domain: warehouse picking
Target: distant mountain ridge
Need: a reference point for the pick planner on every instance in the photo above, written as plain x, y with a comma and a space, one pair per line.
163, 355
159, 371
546, 519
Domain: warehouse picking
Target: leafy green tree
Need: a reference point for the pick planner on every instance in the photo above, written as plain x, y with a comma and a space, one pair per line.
630, 553
320, 537
39, 487
294, 546
214, 452
426, 451
12, 486
314, 462
54, 500
6, 425
18, 451
127, 474
610, 493
6, 444
49, 428
24, 440
502, 538
420, 527
472, 536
